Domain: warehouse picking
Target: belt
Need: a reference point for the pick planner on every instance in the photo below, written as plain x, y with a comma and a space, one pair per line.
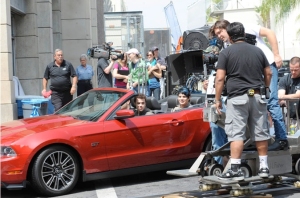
251, 92
85, 81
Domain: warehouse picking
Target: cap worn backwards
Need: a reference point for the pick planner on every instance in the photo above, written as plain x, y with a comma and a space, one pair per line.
133, 50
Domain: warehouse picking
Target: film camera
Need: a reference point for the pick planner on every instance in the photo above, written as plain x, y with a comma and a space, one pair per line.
210, 56
105, 51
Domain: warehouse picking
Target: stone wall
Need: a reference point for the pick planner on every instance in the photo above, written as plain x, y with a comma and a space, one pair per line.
40, 28
8, 105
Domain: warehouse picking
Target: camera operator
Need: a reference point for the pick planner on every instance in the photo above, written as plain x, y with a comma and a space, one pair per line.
275, 61
247, 73
104, 68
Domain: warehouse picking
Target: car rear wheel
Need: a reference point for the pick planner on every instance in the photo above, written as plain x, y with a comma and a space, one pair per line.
55, 171
208, 145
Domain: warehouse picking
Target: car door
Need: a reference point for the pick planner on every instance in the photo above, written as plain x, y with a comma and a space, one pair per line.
145, 140
91, 139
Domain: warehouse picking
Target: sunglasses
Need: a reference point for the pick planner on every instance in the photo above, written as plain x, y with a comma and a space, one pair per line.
149, 55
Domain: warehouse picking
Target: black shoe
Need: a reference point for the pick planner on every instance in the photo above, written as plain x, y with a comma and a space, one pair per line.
263, 172
230, 175
279, 145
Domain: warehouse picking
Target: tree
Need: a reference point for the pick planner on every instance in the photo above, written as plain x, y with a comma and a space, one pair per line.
283, 8
217, 4
264, 12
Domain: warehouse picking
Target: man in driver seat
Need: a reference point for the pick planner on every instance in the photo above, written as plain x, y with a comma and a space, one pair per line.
140, 104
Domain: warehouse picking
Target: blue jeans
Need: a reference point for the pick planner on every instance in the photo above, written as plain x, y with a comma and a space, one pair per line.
155, 92
274, 108
218, 138
142, 89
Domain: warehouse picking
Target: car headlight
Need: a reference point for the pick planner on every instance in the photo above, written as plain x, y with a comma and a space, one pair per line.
7, 151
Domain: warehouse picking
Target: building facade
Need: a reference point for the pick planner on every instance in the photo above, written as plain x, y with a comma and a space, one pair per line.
30, 32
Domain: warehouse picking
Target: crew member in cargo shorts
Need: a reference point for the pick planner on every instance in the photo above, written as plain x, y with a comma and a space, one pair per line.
60, 71
247, 73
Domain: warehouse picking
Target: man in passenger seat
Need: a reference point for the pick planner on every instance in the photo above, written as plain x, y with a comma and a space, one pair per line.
140, 104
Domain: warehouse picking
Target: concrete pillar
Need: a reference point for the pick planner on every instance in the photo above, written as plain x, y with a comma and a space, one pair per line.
45, 36
26, 53
56, 23
100, 21
76, 29
8, 105
95, 33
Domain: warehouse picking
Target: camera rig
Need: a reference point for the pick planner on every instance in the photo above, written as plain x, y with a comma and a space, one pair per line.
105, 51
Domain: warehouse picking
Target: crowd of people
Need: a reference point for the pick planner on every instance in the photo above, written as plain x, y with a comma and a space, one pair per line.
128, 70
248, 71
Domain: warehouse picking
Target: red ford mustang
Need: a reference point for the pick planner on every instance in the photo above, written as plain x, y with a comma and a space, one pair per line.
92, 137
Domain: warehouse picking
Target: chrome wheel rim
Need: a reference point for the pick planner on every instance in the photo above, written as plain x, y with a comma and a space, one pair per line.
58, 171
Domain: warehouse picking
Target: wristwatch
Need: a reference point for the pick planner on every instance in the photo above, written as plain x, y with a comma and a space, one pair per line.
217, 101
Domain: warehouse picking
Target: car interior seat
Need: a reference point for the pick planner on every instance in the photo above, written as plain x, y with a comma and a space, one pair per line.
172, 102
152, 103
195, 100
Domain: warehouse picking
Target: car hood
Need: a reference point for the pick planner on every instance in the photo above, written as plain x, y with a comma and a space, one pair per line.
11, 131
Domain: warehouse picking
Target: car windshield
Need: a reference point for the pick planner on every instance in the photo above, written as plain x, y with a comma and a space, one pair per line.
90, 105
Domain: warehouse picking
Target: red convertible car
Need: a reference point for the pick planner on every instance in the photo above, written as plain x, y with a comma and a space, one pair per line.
93, 137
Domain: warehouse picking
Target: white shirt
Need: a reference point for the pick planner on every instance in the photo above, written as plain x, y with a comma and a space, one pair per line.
254, 30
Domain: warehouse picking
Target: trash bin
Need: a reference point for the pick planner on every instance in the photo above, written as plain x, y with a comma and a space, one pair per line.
50, 106
19, 102
34, 107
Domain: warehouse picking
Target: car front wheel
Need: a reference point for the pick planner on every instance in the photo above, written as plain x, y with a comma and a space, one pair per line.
55, 171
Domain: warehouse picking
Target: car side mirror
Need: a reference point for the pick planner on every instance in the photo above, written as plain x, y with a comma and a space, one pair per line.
123, 114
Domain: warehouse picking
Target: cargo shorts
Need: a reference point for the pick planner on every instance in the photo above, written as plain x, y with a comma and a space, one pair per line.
247, 111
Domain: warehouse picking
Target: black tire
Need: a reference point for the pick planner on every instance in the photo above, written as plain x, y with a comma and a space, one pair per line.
246, 169
208, 145
215, 169
55, 171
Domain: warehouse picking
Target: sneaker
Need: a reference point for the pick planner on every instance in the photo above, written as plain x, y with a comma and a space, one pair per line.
230, 175
263, 172
279, 145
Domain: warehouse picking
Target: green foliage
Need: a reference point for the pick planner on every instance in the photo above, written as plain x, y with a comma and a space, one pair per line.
283, 8
264, 12
209, 18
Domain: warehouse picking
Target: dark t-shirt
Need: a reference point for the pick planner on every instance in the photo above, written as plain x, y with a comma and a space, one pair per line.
244, 65
60, 76
104, 80
291, 86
